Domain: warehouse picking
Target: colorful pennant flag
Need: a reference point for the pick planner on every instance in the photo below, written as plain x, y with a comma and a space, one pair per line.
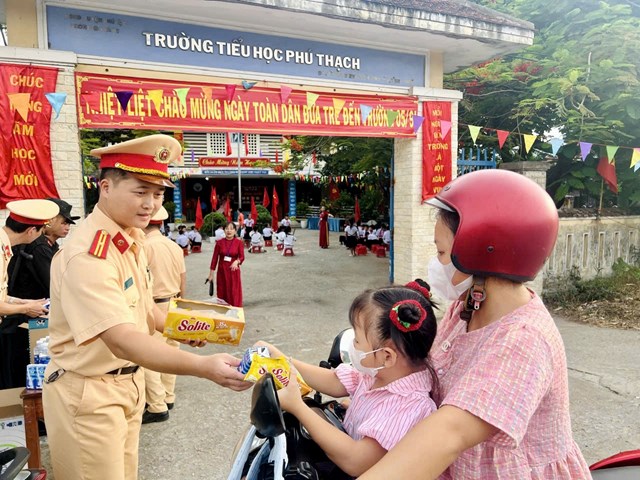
365, 110
417, 122
635, 158
20, 102
556, 143
529, 140
611, 152
445, 128
338, 105
123, 99
502, 137
608, 172
182, 93
585, 150
312, 98
391, 117
207, 92
231, 90
474, 130
57, 101
156, 97
284, 93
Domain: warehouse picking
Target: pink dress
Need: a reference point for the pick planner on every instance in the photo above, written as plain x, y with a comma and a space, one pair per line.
513, 375
387, 413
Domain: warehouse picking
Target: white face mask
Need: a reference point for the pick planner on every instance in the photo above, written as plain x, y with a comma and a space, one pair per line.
356, 356
440, 278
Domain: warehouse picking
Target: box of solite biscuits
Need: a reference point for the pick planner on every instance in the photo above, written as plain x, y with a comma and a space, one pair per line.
196, 320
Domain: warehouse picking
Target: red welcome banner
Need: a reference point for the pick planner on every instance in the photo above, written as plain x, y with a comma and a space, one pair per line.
225, 162
25, 119
137, 103
436, 150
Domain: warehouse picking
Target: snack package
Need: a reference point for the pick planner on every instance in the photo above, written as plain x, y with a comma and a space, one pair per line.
245, 364
278, 367
195, 320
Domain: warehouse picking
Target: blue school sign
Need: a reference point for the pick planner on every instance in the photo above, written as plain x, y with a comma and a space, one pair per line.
118, 36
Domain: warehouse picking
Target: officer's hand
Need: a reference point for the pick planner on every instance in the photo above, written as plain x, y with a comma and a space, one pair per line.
35, 308
222, 369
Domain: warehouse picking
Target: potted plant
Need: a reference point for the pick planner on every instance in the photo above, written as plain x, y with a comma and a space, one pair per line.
302, 210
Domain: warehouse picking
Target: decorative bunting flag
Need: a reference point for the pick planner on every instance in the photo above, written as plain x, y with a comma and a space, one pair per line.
391, 117
365, 110
556, 143
635, 158
207, 92
474, 130
445, 128
123, 98
338, 104
156, 98
312, 98
20, 102
182, 93
502, 137
248, 85
231, 90
417, 122
585, 150
57, 100
611, 152
529, 140
284, 93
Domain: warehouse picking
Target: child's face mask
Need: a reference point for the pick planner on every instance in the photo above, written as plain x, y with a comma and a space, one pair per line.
356, 356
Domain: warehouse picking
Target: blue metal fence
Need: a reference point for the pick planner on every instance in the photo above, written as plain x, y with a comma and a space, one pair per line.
470, 160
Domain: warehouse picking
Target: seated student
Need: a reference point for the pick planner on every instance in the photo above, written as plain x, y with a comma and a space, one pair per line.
256, 242
386, 238
288, 241
286, 223
372, 238
182, 239
362, 234
280, 236
219, 233
267, 233
195, 239
390, 379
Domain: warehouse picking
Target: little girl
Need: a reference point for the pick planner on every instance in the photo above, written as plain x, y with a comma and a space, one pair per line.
389, 381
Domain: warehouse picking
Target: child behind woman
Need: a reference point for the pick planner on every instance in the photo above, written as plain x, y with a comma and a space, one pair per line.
389, 382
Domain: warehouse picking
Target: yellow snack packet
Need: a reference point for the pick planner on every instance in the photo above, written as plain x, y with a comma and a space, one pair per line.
278, 367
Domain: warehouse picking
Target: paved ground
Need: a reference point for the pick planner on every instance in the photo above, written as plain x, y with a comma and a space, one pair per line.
299, 303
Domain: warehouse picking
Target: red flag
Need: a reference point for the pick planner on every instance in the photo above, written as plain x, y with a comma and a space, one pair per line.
502, 136
276, 200
274, 209
228, 144
227, 209
254, 210
246, 144
214, 199
199, 220
608, 172
334, 191
356, 212
265, 199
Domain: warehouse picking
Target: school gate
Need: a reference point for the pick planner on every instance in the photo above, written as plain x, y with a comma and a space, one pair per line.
357, 68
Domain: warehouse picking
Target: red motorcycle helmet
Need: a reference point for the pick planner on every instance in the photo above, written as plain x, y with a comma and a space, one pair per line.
508, 224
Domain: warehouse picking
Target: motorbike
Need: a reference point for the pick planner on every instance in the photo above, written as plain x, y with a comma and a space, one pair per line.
277, 447
12, 462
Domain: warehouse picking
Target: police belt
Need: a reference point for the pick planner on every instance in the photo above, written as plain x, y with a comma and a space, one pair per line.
162, 300
124, 370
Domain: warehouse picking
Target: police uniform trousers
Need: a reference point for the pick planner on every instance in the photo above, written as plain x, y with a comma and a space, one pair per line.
93, 425
160, 387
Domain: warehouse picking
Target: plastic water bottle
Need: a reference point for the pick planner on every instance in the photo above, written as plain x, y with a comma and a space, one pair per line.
37, 352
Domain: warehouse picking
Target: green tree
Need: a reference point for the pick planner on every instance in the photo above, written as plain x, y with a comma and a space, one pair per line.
581, 76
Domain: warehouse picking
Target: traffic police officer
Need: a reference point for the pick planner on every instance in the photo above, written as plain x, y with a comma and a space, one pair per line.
166, 262
24, 225
102, 314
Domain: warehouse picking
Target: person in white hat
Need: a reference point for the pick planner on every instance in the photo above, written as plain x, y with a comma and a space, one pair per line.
166, 261
24, 224
102, 315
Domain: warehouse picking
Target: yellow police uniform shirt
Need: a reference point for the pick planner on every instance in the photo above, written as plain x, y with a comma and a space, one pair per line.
166, 261
5, 256
90, 294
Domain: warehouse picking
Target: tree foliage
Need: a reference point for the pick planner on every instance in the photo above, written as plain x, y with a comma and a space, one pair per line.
580, 76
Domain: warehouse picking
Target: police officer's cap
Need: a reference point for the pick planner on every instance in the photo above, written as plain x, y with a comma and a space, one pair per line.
32, 211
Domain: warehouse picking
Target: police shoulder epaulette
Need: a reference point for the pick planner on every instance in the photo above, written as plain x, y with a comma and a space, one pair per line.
100, 244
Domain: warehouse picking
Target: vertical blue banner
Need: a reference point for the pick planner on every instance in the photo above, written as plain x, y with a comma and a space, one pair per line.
177, 199
292, 198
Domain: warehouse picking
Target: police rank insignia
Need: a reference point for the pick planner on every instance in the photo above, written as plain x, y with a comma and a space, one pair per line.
162, 155
120, 242
100, 244
7, 252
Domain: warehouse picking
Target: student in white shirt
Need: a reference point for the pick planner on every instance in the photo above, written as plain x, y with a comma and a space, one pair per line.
182, 239
351, 231
280, 236
267, 233
386, 238
219, 233
286, 223
256, 241
195, 239
289, 240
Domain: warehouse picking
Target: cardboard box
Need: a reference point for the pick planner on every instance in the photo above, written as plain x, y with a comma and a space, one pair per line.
12, 427
196, 320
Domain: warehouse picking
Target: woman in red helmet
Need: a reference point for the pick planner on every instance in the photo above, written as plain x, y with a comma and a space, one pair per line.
504, 394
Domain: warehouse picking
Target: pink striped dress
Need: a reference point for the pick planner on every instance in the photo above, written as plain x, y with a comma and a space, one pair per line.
387, 413
513, 375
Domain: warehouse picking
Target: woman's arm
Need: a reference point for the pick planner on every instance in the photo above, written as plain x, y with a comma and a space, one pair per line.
432, 445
